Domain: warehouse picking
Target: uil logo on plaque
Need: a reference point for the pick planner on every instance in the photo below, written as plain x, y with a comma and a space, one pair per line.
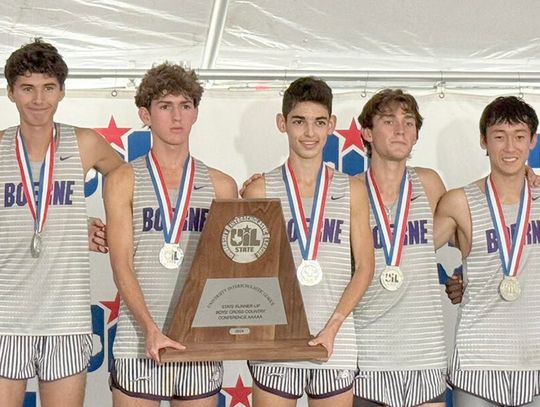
245, 239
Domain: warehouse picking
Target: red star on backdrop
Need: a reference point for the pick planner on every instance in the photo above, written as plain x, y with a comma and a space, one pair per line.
113, 134
114, 306
353, 137
239, 393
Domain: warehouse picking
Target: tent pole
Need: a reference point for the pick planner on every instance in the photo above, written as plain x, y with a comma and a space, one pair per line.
214, 34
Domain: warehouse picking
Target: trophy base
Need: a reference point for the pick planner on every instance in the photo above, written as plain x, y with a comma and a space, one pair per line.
290, 349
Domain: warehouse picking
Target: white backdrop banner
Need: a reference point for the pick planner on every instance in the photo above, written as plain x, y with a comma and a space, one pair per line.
236, 133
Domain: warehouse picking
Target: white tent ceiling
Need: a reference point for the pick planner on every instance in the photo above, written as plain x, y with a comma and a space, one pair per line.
416, 42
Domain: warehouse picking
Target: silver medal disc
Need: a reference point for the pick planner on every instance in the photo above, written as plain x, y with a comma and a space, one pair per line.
309, 272
391, 278
36, 245
510, 289
171, 256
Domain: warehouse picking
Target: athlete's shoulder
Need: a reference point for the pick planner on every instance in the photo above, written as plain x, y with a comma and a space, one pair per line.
224, 185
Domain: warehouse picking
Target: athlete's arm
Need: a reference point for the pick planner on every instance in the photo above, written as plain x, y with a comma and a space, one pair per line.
452, 219
362, 250
118, 196
255, 189
96, 152
224, 185
435, 189
249, 181
533, 179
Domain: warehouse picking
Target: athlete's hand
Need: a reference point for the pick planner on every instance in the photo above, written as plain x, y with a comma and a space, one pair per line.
454, 289
97, 239
155, 341
534, 180
249, 181
325, 338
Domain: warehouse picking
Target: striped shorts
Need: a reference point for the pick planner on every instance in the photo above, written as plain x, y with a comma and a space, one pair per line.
48, 357
404, 388
509, 388
147, 379
290, 382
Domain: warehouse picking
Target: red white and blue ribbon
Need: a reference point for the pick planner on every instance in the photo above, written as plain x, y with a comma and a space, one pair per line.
510, 247
39, 207
308, 236
173, 220
392, 241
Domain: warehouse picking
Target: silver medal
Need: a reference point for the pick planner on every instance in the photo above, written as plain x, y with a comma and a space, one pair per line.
171, 256
391, 278
309, 272
36, 245
510, 289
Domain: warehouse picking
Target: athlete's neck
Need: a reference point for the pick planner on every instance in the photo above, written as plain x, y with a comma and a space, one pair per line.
171, 159
388, 175
305, 172
508, 187
36, 140
170, 156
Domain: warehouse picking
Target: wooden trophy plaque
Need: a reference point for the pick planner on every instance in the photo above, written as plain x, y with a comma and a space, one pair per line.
241, 299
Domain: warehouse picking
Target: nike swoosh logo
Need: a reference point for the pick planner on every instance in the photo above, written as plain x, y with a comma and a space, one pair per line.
197, 187
414, 198
275, 374
534, 198
335, 198
138, 379
65, 158
344, 374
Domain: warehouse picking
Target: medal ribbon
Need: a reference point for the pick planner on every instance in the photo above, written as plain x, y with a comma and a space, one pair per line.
39, 207
510, 250
308, 237
392, 242
173, 221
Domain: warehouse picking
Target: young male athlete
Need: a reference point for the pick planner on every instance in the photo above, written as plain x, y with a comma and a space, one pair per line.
156, 207
326, 214
399, 322
496, 222
45, 321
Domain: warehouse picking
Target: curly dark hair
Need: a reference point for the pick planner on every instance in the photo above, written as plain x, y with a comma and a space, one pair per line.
511, 110
167, 79
307, 89
36, 57
381, 102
